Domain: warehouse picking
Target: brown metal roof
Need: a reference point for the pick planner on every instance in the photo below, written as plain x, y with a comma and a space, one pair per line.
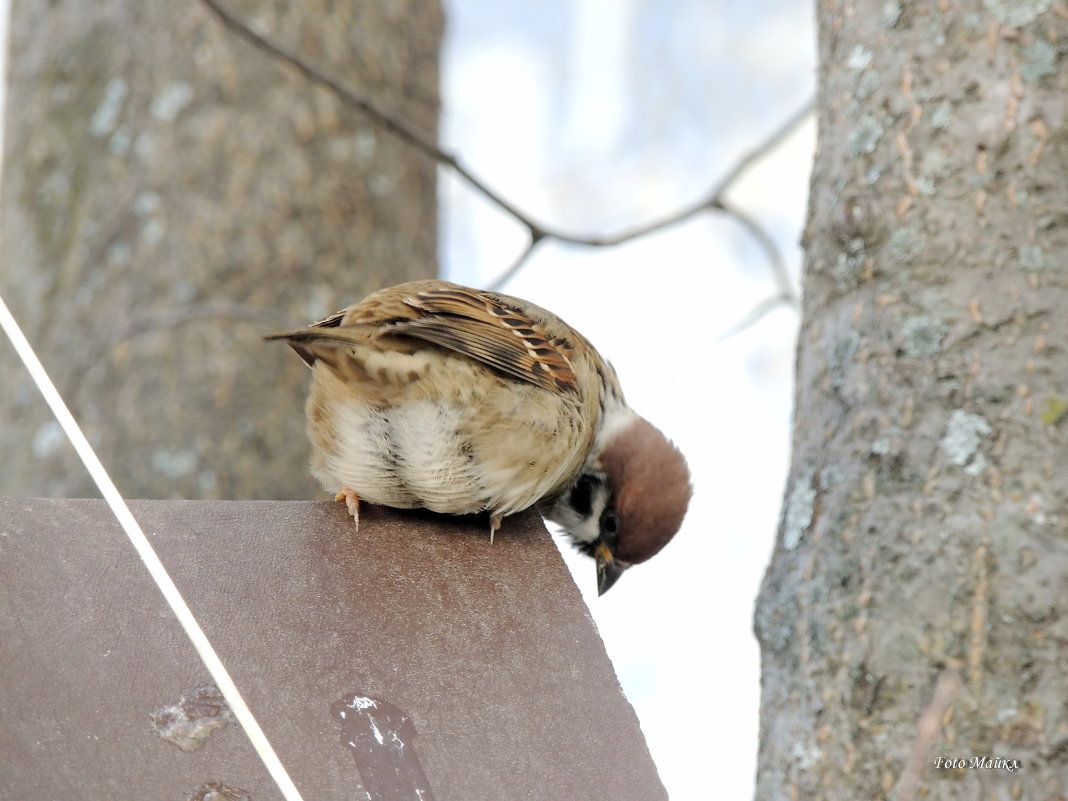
451, 666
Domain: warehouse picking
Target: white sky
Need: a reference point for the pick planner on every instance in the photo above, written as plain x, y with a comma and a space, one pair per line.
595, 115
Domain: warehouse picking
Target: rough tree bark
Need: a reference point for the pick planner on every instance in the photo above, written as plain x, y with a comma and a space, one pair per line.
921, 567
169, 195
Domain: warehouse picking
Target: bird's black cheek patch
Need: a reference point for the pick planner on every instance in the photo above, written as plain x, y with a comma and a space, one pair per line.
587, 548
581, 498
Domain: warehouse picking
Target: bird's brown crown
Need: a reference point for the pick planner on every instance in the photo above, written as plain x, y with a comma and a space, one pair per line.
652, 489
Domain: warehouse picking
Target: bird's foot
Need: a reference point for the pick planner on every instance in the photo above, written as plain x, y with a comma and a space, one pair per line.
495, 523
352, 503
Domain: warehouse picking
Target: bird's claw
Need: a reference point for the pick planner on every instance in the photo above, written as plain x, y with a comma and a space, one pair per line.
352, 503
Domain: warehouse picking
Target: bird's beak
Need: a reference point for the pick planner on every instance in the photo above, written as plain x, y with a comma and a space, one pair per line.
609, 569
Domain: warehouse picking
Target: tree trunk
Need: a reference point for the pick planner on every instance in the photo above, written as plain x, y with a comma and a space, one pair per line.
916, 606
170, 194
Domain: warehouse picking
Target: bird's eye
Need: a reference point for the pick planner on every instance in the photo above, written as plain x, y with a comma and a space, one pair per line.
609, 522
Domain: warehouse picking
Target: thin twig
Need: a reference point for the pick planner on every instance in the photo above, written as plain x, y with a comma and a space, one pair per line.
778, 266
175, 316
538, 232
756, 314
160, 319
769, 143
518, 264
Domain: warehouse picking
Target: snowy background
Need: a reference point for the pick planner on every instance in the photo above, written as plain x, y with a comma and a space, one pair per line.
593, 116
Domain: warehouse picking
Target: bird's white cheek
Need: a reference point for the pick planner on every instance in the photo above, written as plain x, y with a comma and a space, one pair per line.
580, 528
586, 531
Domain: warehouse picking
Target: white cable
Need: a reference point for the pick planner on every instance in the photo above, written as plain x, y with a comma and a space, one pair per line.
148, 555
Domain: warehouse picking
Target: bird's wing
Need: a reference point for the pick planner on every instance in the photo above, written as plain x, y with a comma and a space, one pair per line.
489, 329
492, 329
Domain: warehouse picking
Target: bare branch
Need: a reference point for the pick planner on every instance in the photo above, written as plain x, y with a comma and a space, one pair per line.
713, 201
391, 122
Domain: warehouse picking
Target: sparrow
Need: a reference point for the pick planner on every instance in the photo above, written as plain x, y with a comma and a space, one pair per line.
458, 400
